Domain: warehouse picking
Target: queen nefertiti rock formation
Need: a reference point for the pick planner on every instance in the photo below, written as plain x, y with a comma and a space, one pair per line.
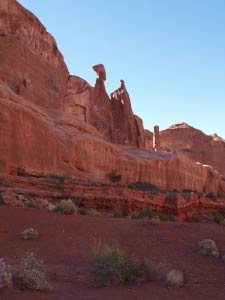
156, 139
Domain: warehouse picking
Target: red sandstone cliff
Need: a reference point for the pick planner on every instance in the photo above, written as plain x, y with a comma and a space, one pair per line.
52, 122
193, 143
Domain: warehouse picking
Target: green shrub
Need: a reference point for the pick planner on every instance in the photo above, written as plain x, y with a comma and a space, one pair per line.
195, 219
5, 274
21, 171
114, 177
4, 182
211, 196
30, 274
30, 204
146, 213
208, 247
110, 264
144, 186
66, 207
175, 279
29, 234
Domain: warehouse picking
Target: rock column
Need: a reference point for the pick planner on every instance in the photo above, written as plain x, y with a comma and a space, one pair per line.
156, 139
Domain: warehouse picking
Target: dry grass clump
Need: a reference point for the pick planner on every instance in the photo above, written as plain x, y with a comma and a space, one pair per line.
66, 207
155, 220
29, 234
208, 247
5, 274
175, 279
110, 264
30, 274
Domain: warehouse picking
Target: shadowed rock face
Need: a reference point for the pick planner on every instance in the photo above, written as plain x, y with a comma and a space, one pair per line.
52, 122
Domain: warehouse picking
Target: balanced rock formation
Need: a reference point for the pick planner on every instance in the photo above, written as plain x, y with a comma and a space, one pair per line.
54, 122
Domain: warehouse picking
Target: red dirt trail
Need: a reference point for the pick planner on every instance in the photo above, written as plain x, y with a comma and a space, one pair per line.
65, 242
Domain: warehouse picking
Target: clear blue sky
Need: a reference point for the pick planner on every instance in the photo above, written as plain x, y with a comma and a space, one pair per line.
171, 53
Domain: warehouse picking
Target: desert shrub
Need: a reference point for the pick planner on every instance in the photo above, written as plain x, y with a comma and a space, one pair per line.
114, 177
83, 211
30, 274
5, 274
211, 196
21, 171
195, 219
143, 186
30, 204
146, 213
167, 217
218, 218
208, 247
155, 220
188, 191
29, 234
175, 279
4, 182
110, 264
66, 207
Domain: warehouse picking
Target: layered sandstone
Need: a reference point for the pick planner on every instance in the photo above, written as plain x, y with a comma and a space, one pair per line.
193, 143
53, 122
115, 198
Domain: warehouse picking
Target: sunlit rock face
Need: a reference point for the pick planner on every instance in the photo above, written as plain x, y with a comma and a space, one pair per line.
193, 143
127, 128
54, 122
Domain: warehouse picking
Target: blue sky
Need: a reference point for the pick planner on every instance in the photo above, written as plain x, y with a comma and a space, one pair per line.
171, 53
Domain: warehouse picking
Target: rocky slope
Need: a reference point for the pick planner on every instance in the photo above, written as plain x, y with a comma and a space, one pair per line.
54, 122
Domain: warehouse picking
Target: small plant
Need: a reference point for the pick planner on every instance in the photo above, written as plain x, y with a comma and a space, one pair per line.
211, 196
143, 186
30, 204
155, 220
208, 247
21, 171
83, 211
4, 182
175, 279
29, 234
195, 219
114, 177
30, 274
5, 274
218, 218
110, 264
146, 213
66, 207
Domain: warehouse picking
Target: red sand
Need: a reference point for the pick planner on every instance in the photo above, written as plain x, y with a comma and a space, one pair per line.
65, 242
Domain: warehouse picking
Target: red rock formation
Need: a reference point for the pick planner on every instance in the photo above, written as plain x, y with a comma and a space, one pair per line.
117, 198
148, 140
51, 122
193, 143
156, 139
127, 128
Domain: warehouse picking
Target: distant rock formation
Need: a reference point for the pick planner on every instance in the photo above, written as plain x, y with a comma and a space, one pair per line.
185, 139
156, 139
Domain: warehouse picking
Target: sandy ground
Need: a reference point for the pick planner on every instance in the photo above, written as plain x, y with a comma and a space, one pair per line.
65, 243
